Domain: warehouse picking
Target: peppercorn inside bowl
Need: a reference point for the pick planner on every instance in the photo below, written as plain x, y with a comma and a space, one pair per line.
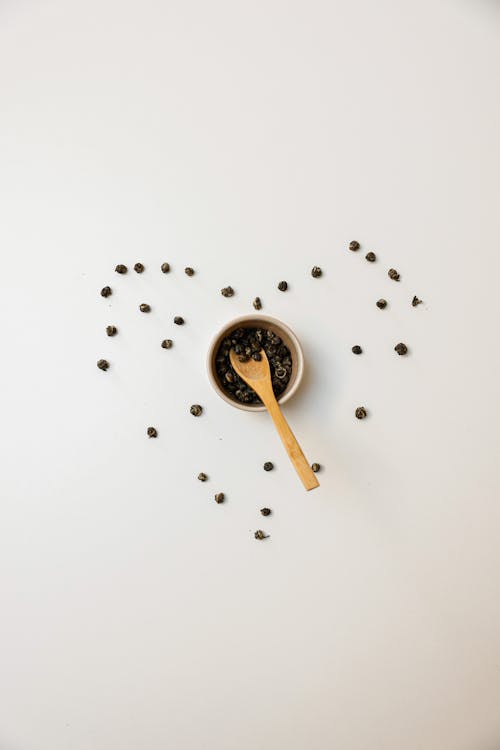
249, 335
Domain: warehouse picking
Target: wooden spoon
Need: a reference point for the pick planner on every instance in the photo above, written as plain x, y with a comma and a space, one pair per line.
257, 375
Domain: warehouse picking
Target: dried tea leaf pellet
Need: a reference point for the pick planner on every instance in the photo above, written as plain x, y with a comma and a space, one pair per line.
166, 343
371, 257
165, 267
265, 511
202, 476
219, 497
106, 291
259, 534
316, 272
283, 286
315, 468
354, 245
111, 330
152, 432
360, 412
227, 291
268, 466
415, 301
120, 268
381, 303
356, 349
401, 348
196, 410
393, 274
178, 320
145, 308
189, 271
103, 364
139, 268
257, 303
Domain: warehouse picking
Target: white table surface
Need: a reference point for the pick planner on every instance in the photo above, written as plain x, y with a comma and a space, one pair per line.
251, 141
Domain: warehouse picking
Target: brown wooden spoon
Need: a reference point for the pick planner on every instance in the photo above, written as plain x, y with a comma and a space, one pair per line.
257, 375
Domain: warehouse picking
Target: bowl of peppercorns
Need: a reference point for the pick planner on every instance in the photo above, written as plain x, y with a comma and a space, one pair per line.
250, 335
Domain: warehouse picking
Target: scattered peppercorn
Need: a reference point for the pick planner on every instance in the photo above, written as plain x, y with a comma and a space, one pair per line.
138, 268
152, 432
265, 511
360, 412
316, 272
260, 534
106, 291
228, 291
196, 410
103, 364
257, 303
381, 303
315, 468
371, 257
202, 476
415, 301
165, 267
219, 497
120, 268
111, 330
282, 286
145, 307
354, 245
393, 274
189, 271
268, 466
246, 343
178, 320
401, 349
356, 349
166, 343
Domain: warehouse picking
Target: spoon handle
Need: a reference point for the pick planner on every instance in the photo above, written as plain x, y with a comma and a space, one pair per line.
303, 469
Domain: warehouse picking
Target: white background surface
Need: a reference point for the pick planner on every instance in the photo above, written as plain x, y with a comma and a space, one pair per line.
251, 141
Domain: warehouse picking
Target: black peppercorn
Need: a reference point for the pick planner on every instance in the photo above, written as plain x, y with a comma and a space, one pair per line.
178, 320
196, 410
202, 476
152, 432
189, 271
315, 468
166, 343
138, 268
360, 412
257, 303
316, 272
354, 245
356, 349
103, 364
268, 466
265, 511
228, 291
401, 349
111, 330
393, 274
165, 267
106, 291
219, 497
381, 303
371, 257
145, 308
259, 534
282, 286
415, 301
120, 268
